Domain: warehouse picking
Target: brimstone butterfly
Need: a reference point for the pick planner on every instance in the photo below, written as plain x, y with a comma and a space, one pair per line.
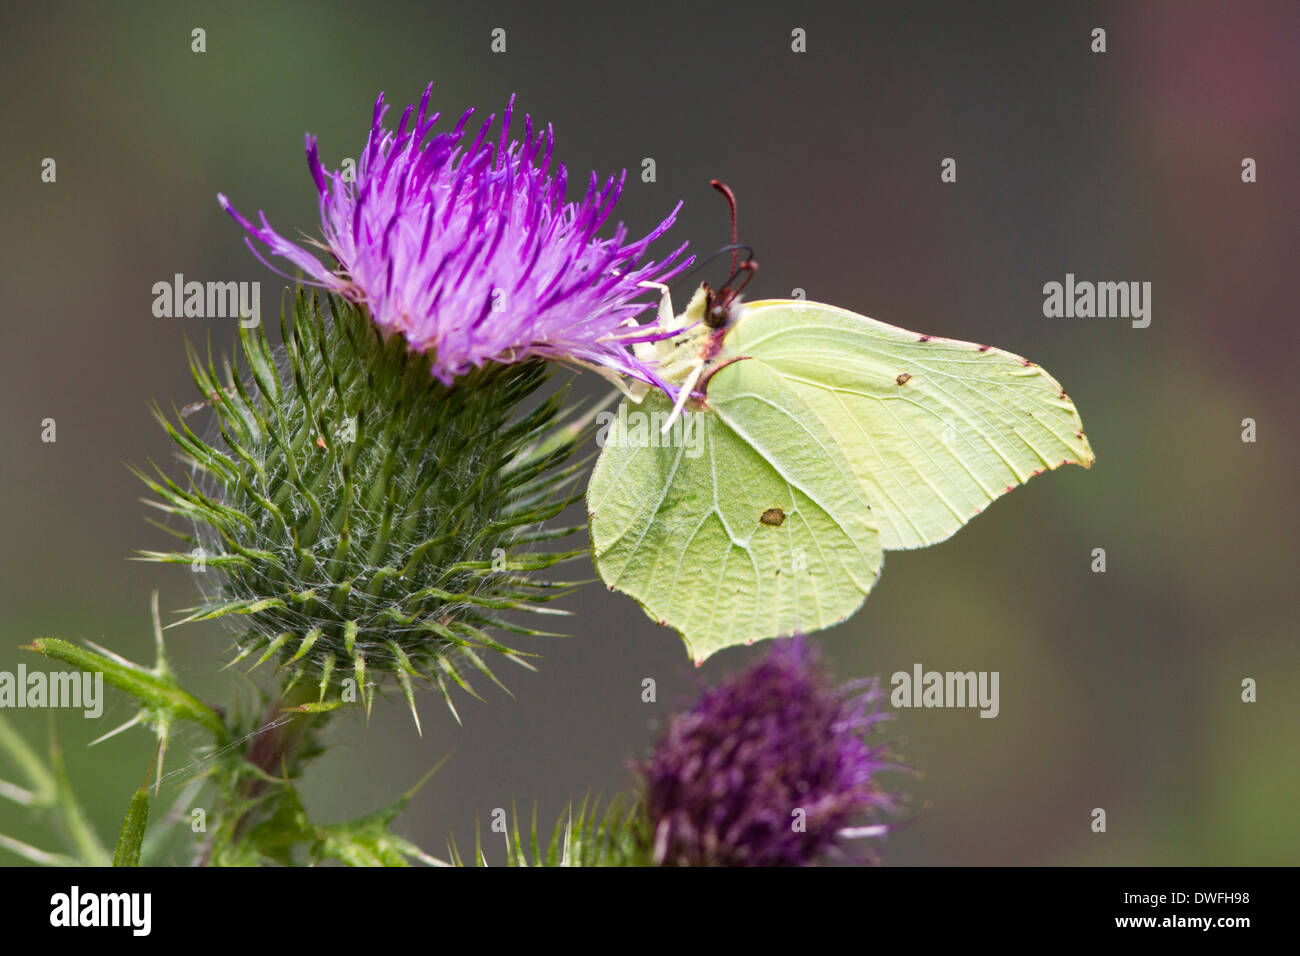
811, 440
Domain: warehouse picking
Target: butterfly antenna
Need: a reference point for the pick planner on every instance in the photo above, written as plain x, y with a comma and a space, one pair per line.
749, 267
700, 266
723, 188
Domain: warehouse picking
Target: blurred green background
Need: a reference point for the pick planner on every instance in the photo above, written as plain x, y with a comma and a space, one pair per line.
1118, 690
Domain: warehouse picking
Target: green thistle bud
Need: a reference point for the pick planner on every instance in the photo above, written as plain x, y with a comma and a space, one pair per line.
359, 519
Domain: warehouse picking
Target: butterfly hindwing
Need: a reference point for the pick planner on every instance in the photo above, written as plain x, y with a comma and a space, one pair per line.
751, 524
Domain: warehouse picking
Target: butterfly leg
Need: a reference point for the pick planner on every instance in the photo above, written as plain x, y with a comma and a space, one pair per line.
684, 393
665, 314
634, 392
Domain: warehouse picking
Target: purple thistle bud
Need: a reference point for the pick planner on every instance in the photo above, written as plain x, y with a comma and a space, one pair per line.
770, 768
471, 253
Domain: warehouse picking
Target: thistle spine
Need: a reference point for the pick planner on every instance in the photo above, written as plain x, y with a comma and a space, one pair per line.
364, 521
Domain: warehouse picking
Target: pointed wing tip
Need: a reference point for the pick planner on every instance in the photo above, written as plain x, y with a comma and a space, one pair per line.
1083, 461
1087, 456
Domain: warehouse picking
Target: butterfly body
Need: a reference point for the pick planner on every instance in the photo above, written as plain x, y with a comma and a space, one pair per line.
688, 359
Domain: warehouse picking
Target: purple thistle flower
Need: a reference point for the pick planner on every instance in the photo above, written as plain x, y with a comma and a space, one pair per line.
723, 785
471, 253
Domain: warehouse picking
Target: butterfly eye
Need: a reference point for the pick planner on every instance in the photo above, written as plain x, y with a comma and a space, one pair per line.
720, 306
716, 310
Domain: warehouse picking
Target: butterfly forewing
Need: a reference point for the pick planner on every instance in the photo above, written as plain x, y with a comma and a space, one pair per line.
934, 429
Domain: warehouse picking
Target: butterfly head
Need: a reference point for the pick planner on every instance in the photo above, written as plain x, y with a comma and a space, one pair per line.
693, 353
720, 305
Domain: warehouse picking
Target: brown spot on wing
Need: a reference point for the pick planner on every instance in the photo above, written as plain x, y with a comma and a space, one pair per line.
903, 378
774, 517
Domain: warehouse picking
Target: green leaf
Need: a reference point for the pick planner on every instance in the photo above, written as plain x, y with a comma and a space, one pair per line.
133, 827
286, 828
71, 814
51, 789
33, 855
367, 841
41, 789
42, 792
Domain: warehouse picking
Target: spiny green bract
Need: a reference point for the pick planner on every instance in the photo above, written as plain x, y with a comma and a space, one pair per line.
587, 835
358, 518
